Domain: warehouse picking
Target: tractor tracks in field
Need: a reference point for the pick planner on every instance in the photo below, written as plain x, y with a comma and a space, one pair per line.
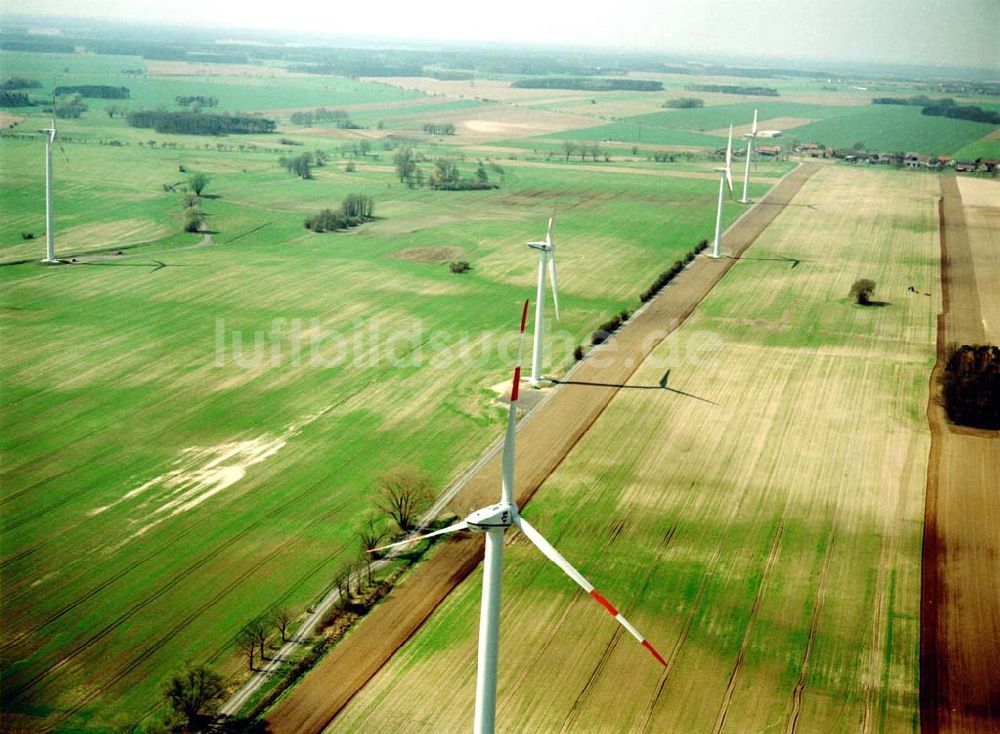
819, 602
51, 672
720, 721
568, 414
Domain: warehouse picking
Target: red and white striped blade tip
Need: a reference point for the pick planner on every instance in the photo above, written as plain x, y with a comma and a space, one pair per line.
520, 343
549, 551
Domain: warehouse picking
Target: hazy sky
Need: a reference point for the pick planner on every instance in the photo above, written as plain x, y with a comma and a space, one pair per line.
938, 32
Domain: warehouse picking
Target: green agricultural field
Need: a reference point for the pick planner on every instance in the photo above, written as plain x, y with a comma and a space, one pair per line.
163, 480
768, 542
234, 92
876, 127
895, 128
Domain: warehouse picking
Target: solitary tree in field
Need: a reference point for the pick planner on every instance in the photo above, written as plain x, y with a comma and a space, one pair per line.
197, 183
403, 493
194, 692
862, 291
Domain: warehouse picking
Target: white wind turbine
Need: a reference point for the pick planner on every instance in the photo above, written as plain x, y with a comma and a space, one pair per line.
725, 177
494, 521
751, 139
50, 139
546, 256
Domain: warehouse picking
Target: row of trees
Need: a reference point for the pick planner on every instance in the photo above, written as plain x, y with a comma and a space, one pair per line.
403, 492
961, 112
193, 123
302, 165
668, 275
439, 128
593, 150
971, 385
734, 89
16, 82
944, 107
445, 174
194, 218
199, 100
591, 84
95, 91
684, 103
355, 209
340, 118
10, 98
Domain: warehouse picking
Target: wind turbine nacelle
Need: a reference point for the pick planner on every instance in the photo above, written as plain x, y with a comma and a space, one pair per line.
495, 516
544, 246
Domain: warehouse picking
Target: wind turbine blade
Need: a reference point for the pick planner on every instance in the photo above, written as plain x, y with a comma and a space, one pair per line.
729, 149
507, 460
753, 128
556, 557
520, 352
552, 277
450, 529
729, 180
548, 233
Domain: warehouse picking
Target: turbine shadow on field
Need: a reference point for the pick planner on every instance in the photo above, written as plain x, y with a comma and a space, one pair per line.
781, 259
155, 265
661, 386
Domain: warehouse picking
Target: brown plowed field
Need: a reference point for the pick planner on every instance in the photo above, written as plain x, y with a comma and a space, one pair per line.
545, 439
960, 588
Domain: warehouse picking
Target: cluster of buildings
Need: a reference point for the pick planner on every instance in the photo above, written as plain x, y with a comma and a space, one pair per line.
906, 160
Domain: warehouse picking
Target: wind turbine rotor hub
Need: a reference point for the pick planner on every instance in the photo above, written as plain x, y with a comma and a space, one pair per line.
500, 515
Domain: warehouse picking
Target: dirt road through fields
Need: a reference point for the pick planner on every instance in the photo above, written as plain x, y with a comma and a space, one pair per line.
960, 585
550, 435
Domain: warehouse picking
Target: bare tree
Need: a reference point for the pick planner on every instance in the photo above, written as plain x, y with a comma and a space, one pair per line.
371, 536
568, 148
403, 492
282, 618
254, 634
246, 643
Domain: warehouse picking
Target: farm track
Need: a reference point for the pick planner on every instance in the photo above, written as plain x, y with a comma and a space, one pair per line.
960, 598
562, 421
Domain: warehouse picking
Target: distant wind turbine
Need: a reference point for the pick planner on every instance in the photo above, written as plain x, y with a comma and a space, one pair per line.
751, 139
494, 521
50, 139
725, 177
546, 256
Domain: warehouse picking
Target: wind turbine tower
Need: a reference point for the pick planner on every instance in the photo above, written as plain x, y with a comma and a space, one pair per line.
493, 522
50, 139
546, 260
751, 139
725, 177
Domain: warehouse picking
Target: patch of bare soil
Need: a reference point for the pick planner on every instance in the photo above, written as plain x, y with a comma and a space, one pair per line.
8, 120
547, 438
960, 580
431, 255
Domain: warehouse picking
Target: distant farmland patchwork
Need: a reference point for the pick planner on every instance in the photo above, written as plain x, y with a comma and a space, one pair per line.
170, 471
